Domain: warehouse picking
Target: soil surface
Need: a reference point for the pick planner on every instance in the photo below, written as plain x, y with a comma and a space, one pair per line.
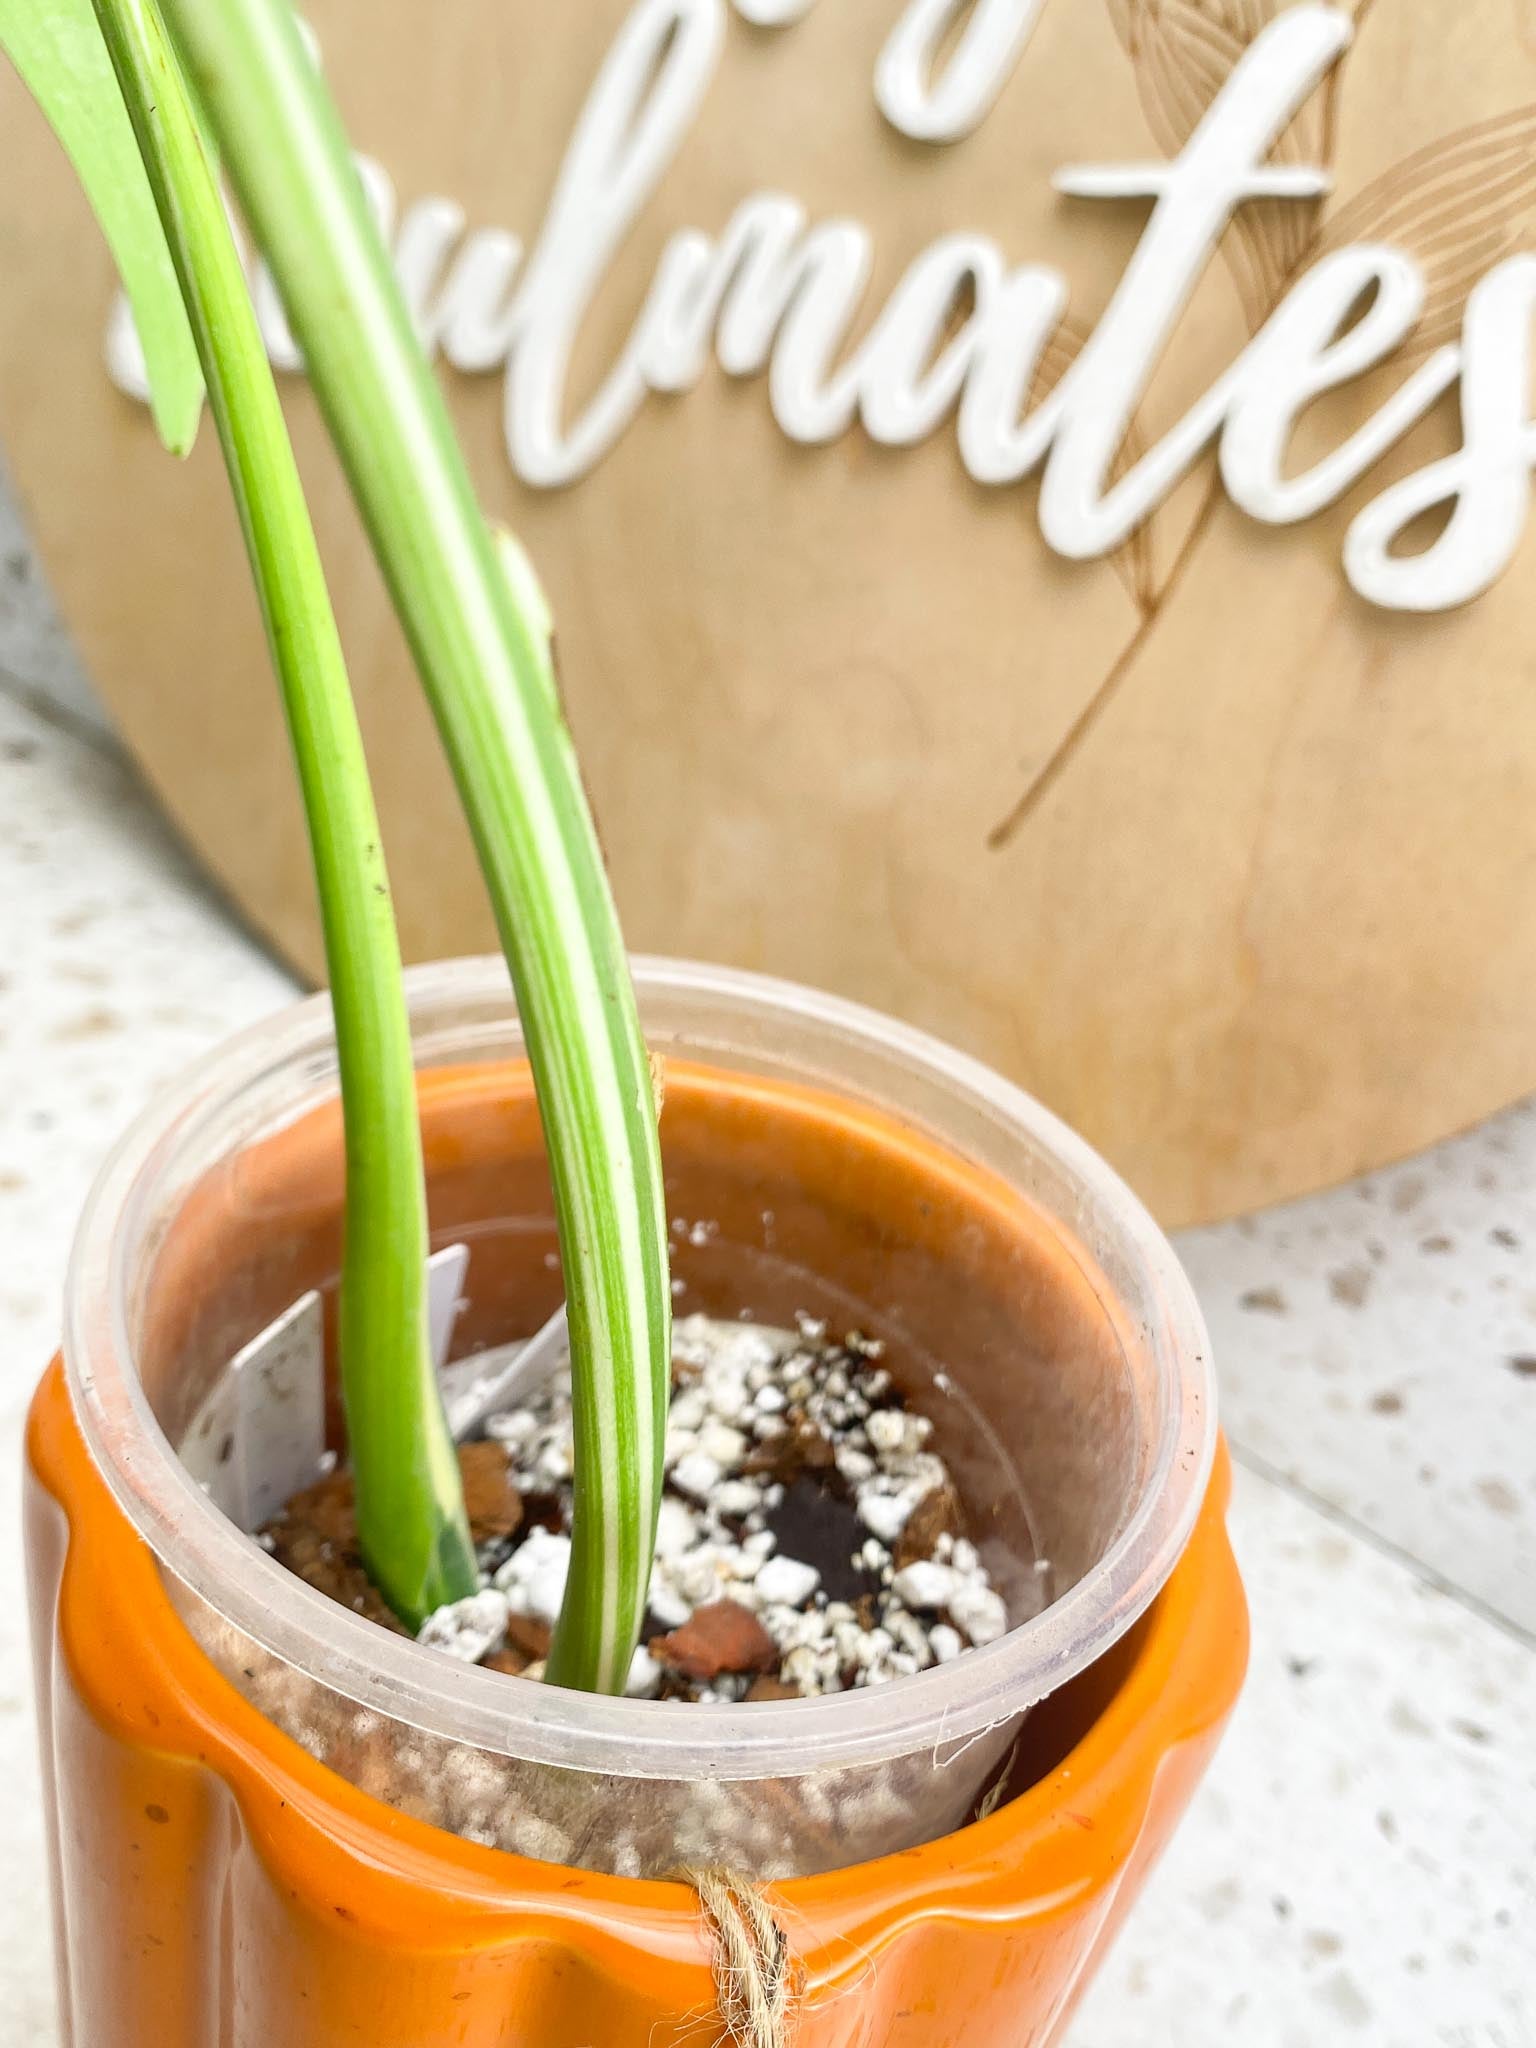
810, 1539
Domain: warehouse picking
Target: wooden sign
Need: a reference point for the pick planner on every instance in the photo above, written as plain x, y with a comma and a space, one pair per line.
1035, 496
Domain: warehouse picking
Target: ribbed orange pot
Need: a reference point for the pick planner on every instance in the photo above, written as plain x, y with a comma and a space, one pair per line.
217, 1887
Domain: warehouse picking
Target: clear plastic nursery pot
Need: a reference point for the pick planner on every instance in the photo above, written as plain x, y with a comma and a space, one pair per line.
274, 1821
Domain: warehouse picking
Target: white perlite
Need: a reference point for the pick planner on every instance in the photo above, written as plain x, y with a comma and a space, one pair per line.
644, 1679
928, 1585
786, 1582
736, 1498
533, 1577
979, 1612
468, 1629
696, 1474
885, 1514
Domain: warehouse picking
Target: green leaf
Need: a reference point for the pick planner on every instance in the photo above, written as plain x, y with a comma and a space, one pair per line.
482, 650
410, 1503
58, 52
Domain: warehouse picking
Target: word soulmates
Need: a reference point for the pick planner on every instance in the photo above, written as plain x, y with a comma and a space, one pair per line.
773, 291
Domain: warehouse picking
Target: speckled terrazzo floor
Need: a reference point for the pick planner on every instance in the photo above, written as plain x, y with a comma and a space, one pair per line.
1361, 1865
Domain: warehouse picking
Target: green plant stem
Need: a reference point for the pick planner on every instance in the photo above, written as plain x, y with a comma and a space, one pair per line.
409, 1497
484, 662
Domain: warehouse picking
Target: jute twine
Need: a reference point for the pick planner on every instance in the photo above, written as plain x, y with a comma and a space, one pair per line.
756, 1977
750, 1956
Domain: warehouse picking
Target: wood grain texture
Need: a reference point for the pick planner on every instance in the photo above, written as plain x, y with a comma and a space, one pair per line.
1231, 870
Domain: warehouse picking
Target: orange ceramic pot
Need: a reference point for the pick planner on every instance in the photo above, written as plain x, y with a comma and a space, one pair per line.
216, 1886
